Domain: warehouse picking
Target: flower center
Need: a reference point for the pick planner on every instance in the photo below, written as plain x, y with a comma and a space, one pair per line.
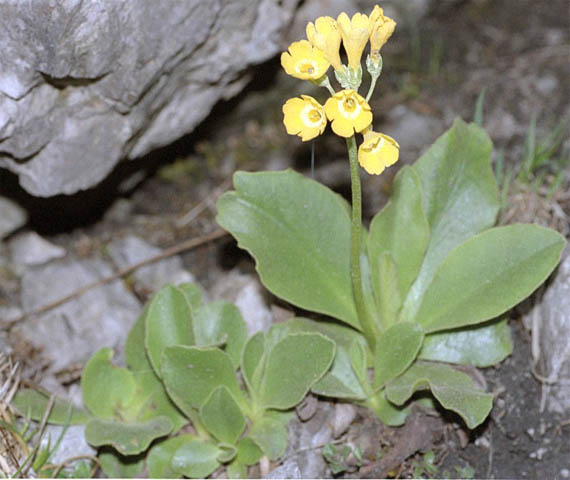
306, 68
311, 116
349, 108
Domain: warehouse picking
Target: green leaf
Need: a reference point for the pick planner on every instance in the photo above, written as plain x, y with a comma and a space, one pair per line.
126, 438
253, 362
150, 399
480, 345
387, 412
340, 381
192, 293
196, 458
222, 416
400, 229
455, 390
191, 374
460, 198
308, 225
34, 403
271, 436
168, 322
488, 274
294, 364
221, 323
388, 292
115, 465
159, 458
396, 349
107, 390
249, 452
227, 452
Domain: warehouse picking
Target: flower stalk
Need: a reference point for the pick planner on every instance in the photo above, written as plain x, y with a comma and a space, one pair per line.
366, 321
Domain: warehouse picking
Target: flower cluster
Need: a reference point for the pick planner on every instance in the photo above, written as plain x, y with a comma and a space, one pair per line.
347, 110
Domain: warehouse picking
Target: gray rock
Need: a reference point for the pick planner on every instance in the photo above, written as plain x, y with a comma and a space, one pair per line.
84, 84
69, 334
288, 469
12, 216
72, 444
30, 249
130, 250
553, 331
247, 294
306, 440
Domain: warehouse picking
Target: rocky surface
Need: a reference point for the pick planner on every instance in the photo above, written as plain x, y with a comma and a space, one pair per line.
84, 84
12, 217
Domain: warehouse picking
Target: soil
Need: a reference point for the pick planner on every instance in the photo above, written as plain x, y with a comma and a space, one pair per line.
436, 66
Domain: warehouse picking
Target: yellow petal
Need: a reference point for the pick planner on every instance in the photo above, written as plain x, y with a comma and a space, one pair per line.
324, 35
377, 152
304, 117
304, 61
355, 34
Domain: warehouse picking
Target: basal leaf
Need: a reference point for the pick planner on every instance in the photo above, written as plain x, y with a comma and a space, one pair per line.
455, 390
191, 374
308, 225
396, 349
271, 437
294, 364
479, 345
196, 458
387, 412
388, 293
34, 403
222, 416
107, 390
488, 274
126, 438
193, 294
253, 362
221, 323
159, 458
115, 465
460, 198
168, 322
400, 229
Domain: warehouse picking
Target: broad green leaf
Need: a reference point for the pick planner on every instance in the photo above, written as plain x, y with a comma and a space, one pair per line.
168, 322
227, 452
135, 353
358, 362
308, 225
115, 465
388, 292
221, 323
150, 399
107, 390
271, 436
126, 438
159, 458
34, 403
222, 416
488, 274
196, 458
340, 381
191, 374
192, 293
236, 469
479, 345
387, 412
253, 362
294, 364
400, 229
396, 349
460, 198
455, 390
249, 452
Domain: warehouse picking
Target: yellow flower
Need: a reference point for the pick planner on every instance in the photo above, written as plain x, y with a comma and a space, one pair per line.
348, 112
324, 35
377, 151
355, 35
304, 62
304, 117
381, 29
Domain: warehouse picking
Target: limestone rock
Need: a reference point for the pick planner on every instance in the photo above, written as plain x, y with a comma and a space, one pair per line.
85, 84
12, 216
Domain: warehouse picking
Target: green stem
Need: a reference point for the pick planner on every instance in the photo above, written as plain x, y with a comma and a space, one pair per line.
366, 321
372, 86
